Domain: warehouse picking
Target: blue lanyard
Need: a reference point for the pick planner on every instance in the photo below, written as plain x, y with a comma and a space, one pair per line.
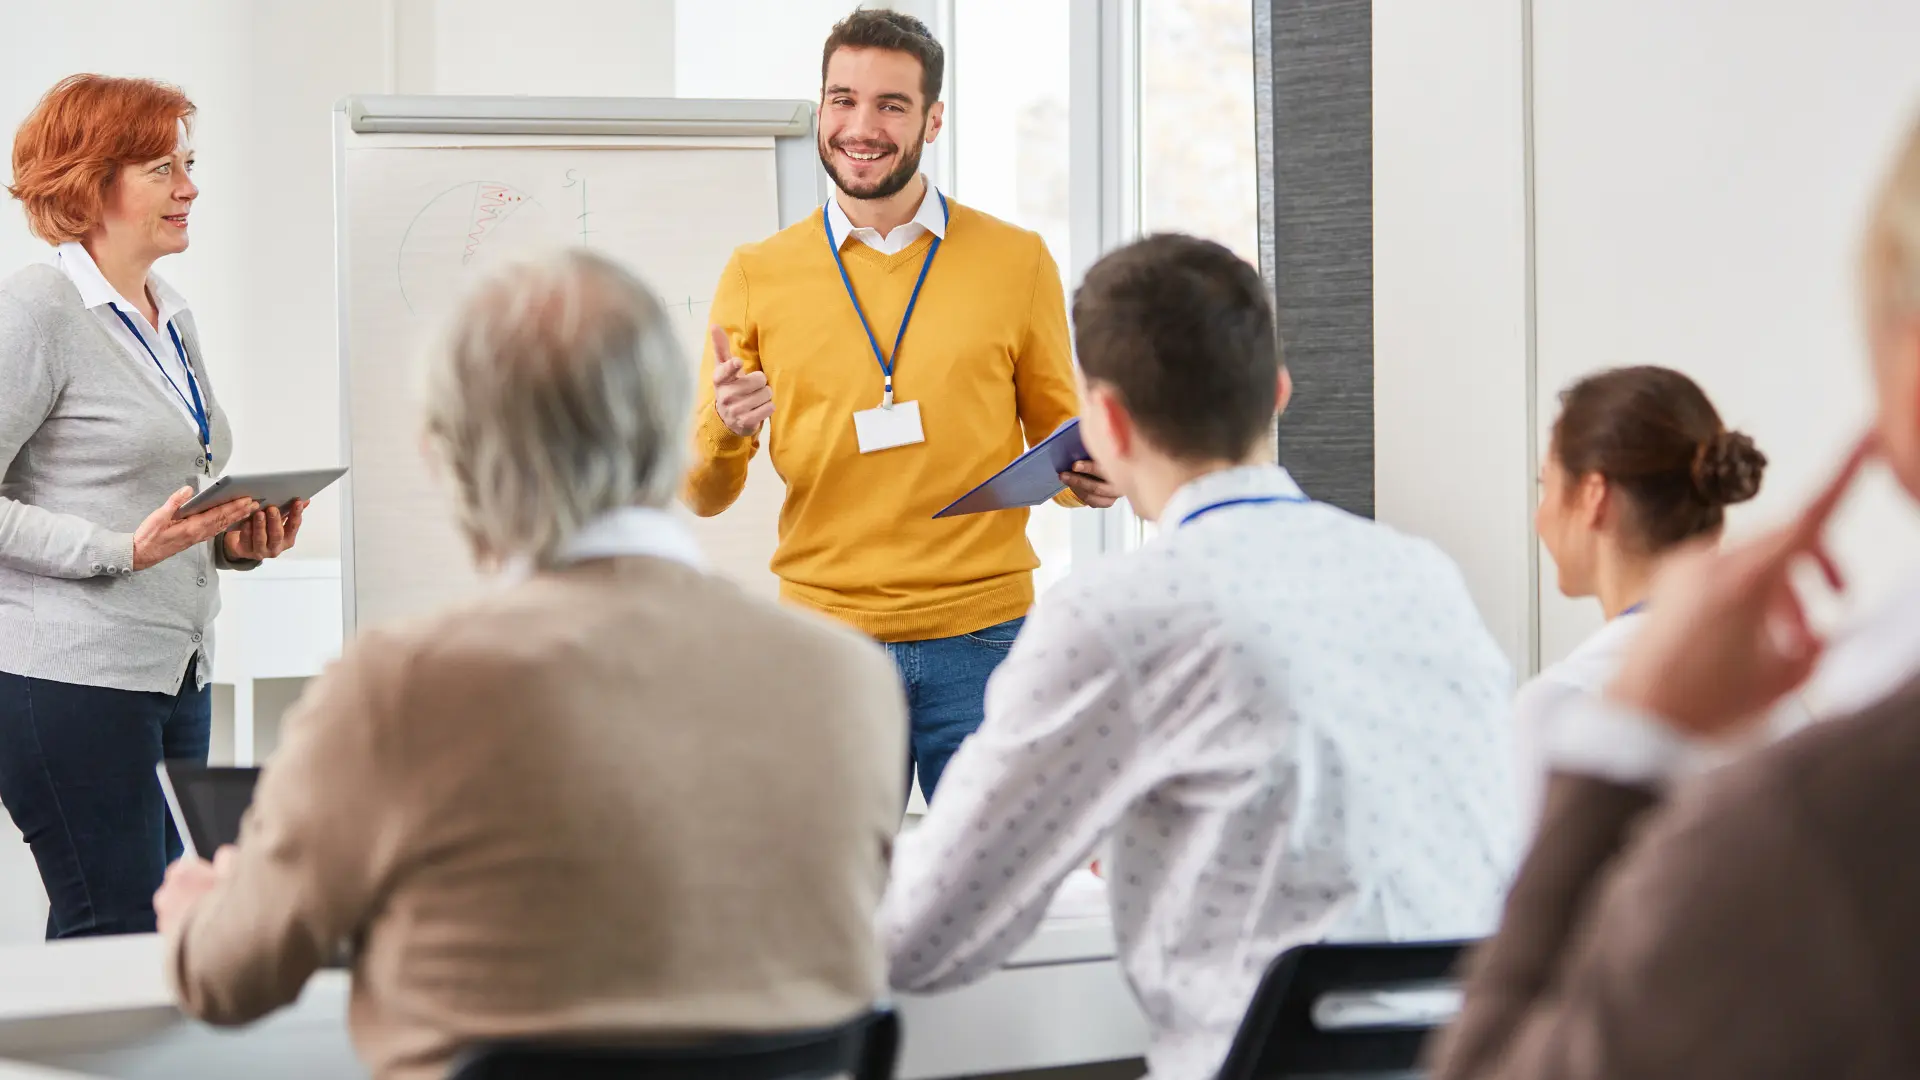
1249, 500
1635, 609
886, 362
198, 408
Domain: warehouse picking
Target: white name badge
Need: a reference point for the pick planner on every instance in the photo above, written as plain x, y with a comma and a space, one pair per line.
884, 429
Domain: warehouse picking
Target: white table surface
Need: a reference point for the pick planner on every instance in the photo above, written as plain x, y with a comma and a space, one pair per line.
13, 1070
102, 1007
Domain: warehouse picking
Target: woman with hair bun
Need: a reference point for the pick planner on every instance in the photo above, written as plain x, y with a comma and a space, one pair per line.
1639, 466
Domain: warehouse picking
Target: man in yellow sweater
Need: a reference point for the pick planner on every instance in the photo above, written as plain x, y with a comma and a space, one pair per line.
903, 347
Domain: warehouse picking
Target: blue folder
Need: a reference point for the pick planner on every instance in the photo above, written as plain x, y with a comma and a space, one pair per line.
1033, 478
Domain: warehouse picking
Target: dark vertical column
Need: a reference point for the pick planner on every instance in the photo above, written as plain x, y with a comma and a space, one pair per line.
1313, 64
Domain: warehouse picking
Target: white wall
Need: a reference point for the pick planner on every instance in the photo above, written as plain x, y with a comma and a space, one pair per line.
1700, 174
1450, 293
1700, 193
614, 48
780, 59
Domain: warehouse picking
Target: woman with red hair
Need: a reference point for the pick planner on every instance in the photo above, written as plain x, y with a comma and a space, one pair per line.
107, 425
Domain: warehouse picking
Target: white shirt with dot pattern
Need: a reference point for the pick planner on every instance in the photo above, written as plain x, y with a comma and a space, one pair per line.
1293, 724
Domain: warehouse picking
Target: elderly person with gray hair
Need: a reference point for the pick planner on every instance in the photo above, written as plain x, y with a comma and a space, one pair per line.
562, 809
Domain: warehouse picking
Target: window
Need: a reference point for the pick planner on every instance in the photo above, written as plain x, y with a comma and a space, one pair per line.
1199, 168
1008, 105
1199, 164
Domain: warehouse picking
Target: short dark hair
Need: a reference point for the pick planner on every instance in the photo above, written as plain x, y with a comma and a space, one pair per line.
1654, 436
880, 28
1182, 329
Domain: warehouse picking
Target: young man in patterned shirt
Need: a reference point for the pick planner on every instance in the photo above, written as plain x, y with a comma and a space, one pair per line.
1290, 722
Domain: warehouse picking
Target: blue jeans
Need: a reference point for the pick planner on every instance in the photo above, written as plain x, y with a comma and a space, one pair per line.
946, 681
77, 776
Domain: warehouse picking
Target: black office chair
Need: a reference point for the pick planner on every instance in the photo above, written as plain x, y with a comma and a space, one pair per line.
1280, 1037
865, 1049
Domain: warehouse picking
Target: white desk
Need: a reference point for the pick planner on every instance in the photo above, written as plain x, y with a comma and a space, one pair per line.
1061, 1000
101, 1008
281, 620
10, 1070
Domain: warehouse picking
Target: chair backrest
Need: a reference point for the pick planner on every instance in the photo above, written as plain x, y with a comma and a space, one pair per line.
1294, 1028
865, 1048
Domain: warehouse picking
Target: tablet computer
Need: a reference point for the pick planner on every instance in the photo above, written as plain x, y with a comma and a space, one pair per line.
269, 489
206, 802
1031, 479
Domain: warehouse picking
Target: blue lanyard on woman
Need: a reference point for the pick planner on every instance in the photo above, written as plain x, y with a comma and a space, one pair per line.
886, 361
1247, 500
196, 406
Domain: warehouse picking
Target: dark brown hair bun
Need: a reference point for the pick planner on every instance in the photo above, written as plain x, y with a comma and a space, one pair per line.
1728, 469
1659, 443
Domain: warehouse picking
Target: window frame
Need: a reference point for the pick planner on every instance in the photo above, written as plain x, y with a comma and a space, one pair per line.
1103, 172
1103, 121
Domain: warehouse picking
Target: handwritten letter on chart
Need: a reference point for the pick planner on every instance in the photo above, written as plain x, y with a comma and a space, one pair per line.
422, 221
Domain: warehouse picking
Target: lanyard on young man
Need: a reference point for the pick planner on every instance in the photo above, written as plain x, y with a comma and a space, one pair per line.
1246, 500
886, 427
886, 361
196, 406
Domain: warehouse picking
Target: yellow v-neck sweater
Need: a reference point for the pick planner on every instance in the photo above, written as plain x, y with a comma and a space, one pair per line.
986, 356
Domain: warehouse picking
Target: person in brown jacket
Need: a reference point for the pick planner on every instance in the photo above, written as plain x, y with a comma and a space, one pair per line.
614, 797
1763, 921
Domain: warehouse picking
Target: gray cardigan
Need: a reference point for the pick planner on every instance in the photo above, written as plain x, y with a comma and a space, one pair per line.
90, 445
